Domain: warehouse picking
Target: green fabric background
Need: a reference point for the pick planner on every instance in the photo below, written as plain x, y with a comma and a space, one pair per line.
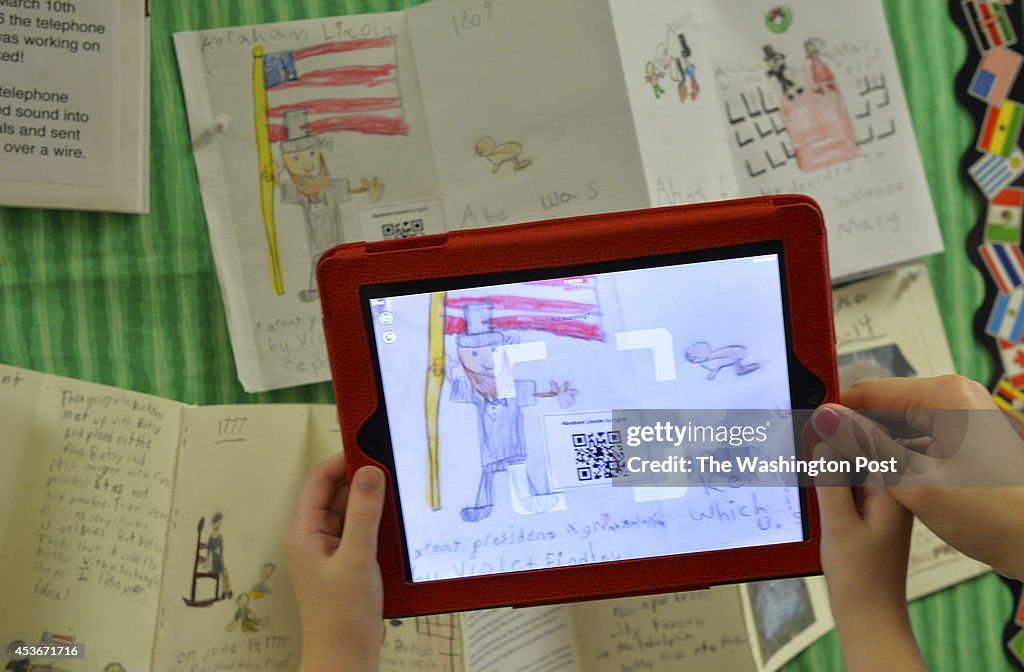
133, 301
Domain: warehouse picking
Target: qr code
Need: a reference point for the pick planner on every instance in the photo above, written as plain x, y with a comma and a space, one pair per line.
598, 455
413, 227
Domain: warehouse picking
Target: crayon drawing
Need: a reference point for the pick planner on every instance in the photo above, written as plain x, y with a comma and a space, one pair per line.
488, 333
301, 96
672, 61
208, 563
244, 619
799, 115
500, 154
261, 588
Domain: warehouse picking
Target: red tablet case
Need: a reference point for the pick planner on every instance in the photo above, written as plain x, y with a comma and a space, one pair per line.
794, 220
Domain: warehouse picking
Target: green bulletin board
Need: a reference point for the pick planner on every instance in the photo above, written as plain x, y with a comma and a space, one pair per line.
133, 301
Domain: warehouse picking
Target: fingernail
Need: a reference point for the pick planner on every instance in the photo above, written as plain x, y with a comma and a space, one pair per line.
369, 479
827, 422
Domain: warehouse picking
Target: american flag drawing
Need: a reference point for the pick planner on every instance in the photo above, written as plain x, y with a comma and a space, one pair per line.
344, 86
564, 307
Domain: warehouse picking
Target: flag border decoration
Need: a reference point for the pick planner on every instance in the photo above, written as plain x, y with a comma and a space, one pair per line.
1006, 395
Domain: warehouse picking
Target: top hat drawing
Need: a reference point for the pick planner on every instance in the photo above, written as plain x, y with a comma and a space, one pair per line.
770, 54
684, 47
479, 333
298, 137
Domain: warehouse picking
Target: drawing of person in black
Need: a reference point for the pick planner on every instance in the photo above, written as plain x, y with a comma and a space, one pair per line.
684, 71
215, 548
776, 64
499, 420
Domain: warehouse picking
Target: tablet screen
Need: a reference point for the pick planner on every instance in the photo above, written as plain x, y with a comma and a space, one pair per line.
516, 458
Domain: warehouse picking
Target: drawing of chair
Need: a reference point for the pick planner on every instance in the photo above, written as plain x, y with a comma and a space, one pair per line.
197, 573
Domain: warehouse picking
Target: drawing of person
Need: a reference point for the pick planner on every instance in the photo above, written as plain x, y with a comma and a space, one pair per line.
716, 360
820, 72
262, 587
308, 184
215, 550
776, 64
499, 420
684, 71
244, 616
501, 154
653, 77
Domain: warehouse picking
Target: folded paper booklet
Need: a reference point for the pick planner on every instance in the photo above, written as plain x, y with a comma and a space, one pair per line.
147, 531
74, 104
461, 113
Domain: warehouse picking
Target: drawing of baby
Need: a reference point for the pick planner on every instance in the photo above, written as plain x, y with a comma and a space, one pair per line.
716, 360
501, 154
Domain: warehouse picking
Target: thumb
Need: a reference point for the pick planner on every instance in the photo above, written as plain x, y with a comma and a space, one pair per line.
362, 515
835, 497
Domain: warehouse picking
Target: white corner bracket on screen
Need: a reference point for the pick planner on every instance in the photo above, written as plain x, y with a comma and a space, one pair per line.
658, 341
505, 359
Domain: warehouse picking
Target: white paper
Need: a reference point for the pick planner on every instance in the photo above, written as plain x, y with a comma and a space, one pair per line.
541, 110
674, 101
355, 78
74, 109
527, 110
831, 122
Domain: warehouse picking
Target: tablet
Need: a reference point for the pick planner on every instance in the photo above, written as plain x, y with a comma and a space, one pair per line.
554, 402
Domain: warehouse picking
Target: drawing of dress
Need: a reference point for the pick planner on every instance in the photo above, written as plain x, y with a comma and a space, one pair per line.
821, 74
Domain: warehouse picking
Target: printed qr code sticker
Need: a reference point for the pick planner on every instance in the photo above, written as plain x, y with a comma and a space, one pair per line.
401, 220
583, 450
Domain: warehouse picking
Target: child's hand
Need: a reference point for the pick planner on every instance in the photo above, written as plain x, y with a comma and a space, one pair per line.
331, 547
865, 545
944, 433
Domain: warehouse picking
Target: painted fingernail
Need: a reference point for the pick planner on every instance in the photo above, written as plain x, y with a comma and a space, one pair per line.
827, 422
369, 479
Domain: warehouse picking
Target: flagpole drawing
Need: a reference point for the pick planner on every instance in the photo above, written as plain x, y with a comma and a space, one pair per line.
266, 160
435, 378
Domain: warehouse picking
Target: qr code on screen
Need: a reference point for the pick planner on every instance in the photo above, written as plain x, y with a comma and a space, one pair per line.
413, 227
598, 455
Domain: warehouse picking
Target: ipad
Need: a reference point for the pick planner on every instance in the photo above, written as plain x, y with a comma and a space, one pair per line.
554, 402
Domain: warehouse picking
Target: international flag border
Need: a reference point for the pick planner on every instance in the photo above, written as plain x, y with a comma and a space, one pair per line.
974, 18
999, 67
1005, 263
998, 322
1000, 131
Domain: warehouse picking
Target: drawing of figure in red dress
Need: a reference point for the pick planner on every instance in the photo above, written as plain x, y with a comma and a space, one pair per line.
822, 75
